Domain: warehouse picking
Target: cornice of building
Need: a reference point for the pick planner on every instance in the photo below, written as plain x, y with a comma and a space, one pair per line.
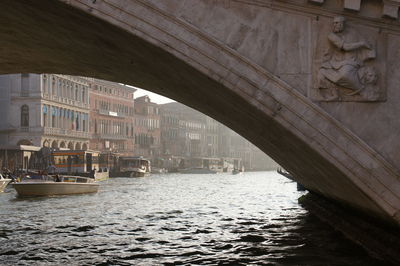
110, 96
66, 133
114, 85
76, 79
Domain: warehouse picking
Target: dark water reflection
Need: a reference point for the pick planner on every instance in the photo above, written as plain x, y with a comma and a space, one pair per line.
249, 219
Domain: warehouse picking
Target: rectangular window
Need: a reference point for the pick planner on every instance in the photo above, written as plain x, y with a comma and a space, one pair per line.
25, 85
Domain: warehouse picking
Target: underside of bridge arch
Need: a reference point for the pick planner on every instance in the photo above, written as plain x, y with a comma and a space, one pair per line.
51, 37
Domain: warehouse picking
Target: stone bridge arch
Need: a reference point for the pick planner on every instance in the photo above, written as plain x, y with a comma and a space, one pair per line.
208, 55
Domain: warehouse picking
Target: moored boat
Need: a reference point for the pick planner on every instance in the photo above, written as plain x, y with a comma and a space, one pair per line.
43, 185
197, 170
133, 167
285, 173
156, 170
138, 172
236, 171
79, 163
3, 182
101, 175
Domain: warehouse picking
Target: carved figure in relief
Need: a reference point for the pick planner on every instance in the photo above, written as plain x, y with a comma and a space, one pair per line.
343, 65
369, 79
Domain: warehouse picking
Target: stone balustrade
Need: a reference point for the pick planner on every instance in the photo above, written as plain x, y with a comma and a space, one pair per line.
64, 100
111, 136
66, 132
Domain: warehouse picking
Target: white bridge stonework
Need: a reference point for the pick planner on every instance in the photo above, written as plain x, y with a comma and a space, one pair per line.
251, 64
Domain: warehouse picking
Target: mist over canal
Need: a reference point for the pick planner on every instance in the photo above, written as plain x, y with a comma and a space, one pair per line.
173, 219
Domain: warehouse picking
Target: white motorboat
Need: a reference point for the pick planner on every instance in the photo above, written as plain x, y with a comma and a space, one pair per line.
55, 185
139, 172
156, 170
133, 167
236, 171
3, 182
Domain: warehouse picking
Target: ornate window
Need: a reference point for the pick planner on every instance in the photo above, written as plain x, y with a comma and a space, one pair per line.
24, 116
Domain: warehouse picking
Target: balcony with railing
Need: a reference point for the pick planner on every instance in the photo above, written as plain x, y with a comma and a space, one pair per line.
66, 133
64, 100
111, 136
24, 93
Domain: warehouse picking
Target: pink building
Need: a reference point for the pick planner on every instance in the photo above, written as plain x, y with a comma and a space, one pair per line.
147, 128
112, 117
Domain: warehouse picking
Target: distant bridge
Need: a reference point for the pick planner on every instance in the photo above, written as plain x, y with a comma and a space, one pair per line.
317, 92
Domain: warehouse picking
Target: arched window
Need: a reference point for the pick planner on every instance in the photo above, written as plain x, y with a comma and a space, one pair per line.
70, 146
54, 144
24, 116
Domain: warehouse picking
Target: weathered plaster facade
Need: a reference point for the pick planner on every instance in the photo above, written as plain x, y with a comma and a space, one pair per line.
250, 64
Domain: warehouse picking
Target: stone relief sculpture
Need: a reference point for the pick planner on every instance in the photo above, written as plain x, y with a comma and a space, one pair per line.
347, 66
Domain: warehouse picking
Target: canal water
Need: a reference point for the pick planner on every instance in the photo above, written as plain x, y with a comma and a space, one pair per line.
173, 219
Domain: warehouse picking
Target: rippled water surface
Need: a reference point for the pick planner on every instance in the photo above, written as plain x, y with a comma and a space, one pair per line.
173, 219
